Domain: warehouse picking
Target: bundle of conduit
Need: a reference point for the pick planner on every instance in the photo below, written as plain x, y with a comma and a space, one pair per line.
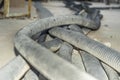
58, 48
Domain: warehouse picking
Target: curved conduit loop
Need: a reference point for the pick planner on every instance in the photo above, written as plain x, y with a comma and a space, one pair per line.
49, 64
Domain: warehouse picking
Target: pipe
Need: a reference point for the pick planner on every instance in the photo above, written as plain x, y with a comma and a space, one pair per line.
42, 38
112, 74
65, 51
77, 60
30, 75
14, 70
93, 66
49, 64
53, 45
79, 40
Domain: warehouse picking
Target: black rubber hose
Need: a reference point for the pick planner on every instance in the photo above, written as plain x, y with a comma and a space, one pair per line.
106, 8
104, 53
1, 3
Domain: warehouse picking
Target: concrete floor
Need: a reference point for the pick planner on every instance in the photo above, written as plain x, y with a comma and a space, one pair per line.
8, 29
107, 34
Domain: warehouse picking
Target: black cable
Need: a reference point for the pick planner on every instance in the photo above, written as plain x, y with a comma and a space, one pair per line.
2, 4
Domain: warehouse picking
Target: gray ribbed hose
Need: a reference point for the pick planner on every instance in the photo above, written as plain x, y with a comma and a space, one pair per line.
50, 65
112, 74
104, 53
93, 66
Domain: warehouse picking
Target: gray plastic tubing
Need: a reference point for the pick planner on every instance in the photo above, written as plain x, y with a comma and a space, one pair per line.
102, 52
50, 65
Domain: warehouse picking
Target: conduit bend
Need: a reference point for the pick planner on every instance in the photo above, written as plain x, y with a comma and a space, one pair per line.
49, 64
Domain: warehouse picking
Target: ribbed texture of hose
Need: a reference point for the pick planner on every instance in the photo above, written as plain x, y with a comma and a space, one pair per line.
104, 53
93, 66
112, 74
49, 64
